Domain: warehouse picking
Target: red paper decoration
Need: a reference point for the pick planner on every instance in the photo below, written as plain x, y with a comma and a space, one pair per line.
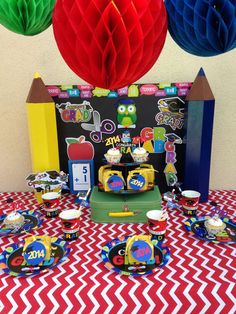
110, 43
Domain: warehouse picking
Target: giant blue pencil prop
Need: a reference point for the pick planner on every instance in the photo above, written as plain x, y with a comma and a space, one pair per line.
199, 126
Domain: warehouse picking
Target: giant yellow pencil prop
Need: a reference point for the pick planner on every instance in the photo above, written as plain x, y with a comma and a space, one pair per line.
42, 127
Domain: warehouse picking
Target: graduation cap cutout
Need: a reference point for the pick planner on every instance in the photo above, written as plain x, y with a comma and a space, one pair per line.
53, 174
172, 137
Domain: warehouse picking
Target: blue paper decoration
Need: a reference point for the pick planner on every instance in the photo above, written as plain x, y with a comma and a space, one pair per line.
203, 27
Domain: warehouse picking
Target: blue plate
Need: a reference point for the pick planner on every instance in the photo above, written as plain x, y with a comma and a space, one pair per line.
13, 263
196, 227
113, 257
33, 220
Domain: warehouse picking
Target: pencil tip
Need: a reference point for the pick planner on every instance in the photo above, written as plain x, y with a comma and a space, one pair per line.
200, 89
201, 72
38, 92
37, 75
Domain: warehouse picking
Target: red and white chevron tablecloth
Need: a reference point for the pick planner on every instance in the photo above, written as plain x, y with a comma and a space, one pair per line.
200, 277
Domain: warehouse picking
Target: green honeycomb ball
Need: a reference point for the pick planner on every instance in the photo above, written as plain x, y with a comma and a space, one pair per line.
26, 17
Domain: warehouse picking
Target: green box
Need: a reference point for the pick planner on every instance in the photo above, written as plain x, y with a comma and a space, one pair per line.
103, 203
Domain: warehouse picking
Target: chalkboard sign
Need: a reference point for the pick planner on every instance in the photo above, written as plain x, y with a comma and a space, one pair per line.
91, 120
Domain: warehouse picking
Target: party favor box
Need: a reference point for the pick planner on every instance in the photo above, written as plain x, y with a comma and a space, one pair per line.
122, 208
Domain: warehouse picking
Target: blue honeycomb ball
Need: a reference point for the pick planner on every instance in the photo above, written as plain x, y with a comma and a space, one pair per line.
203, 27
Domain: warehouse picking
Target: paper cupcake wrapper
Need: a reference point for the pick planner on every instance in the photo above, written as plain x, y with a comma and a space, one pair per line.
113, 159
214, 230
140, 158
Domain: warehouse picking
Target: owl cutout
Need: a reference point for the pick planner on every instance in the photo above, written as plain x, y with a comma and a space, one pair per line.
126, 113
125, 138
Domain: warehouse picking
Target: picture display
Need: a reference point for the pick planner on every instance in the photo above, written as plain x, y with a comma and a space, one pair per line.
91, 120
81, 175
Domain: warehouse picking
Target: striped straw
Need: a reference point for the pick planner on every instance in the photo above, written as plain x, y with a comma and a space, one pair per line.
164, 214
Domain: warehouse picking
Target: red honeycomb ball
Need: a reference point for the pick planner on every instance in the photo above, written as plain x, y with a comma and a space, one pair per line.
110, 43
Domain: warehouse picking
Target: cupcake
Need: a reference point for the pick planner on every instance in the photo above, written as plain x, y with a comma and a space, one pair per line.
214, 225
14, 220
140, 154
113, 155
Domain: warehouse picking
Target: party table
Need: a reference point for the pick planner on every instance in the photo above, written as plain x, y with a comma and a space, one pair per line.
200, 276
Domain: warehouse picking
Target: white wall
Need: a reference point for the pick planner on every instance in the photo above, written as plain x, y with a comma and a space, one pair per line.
22, 56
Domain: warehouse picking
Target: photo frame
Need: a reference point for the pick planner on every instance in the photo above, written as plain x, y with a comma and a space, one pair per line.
81, 175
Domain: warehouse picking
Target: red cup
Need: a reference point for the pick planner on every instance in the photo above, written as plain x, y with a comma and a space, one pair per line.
190, 202
51, 202
157, 223
70, 221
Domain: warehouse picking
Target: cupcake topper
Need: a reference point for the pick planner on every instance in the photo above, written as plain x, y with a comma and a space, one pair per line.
216, 211
216, 217
136, 140
14, 206
176, 190
171, 204
172, 198
84, 203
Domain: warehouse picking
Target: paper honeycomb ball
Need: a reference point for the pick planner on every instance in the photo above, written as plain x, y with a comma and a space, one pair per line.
203, 27
110, 43
26, 17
